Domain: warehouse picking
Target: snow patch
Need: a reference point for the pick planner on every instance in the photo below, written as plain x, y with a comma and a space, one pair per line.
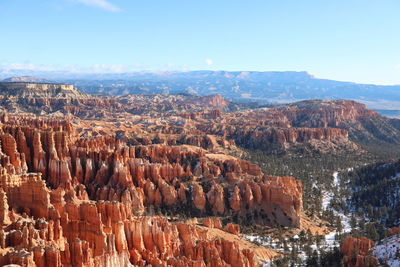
389, 251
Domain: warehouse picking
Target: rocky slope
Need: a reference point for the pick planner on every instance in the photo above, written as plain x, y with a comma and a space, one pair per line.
387, 251
172, 104
54, 99
364, 125
313, 126
323, 126
357, 252
71, 201
90, 189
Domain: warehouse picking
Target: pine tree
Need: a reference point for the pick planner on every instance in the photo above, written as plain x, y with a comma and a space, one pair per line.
339, 226
353, 222
371, 232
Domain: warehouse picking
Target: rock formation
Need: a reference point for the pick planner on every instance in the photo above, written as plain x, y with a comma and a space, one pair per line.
67, 200
357, 252
85, 190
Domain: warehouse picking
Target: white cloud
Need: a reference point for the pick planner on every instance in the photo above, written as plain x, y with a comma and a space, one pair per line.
209, 62
104, 4
26, 66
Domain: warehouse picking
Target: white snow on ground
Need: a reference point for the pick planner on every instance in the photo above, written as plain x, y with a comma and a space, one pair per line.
327, 196
326, 199
389, 251
335, 178
266, 242
330, 241
273, 243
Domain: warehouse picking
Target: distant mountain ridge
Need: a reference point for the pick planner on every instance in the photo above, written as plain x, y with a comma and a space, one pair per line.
32, 79
276, 87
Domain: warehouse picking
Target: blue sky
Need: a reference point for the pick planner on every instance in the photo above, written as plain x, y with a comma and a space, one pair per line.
353, 40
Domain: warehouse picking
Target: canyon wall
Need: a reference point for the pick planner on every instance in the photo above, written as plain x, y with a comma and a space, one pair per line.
67, 200
357, 252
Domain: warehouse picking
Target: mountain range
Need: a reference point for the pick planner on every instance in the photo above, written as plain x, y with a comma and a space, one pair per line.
242, 86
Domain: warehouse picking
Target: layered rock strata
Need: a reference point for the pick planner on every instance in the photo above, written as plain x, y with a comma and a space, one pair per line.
67, 200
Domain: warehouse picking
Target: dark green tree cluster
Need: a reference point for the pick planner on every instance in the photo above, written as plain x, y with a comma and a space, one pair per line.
375, 191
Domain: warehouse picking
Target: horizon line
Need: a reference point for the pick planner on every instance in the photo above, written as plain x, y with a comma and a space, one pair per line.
67, 72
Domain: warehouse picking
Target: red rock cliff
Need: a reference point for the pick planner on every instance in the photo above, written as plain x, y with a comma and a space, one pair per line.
357, 252
74, 201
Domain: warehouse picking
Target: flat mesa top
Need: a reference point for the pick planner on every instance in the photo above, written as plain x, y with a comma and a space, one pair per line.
37, 86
